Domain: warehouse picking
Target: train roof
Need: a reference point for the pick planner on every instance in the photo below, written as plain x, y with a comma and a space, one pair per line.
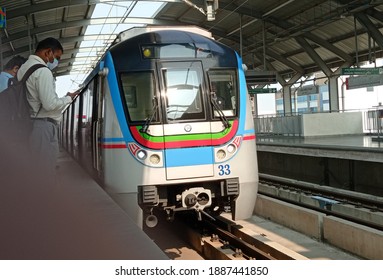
135, 31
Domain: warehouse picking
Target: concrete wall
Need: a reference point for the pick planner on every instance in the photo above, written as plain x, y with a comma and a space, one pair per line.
354, 175
357, 239
332, 124
294, 217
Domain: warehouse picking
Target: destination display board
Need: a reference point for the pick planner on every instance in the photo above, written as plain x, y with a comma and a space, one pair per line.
362, 71
260, 77
262, 90
364, 81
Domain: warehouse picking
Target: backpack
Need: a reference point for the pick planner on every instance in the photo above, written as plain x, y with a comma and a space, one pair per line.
15, 121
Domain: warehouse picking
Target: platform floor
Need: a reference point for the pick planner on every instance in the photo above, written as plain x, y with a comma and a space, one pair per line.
73, 219
352, 147
344, 142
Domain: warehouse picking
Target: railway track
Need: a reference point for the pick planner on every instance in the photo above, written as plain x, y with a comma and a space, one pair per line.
222, 239
327, 196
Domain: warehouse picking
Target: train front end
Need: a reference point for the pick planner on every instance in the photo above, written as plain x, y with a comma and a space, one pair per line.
187, 125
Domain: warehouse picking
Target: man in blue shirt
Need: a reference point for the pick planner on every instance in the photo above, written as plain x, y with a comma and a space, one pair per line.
10, 70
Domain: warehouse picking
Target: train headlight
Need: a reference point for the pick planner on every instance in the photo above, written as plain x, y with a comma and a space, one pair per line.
154, 159
231, 148
221, 154
141, 154
147, 53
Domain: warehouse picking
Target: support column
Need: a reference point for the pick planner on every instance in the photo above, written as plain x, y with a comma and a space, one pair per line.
1, 55
254, 101
287, 100
333, 94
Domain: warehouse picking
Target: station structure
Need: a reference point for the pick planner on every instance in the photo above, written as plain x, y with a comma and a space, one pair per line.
298, 51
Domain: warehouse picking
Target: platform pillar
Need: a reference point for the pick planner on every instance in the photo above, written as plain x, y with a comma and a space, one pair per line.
287, 100
333, 94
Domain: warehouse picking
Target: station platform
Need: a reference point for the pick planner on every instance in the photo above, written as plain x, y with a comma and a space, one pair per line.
354, 147
350, 162
73, 219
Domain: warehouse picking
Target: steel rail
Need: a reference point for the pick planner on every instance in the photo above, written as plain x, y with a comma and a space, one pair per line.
359, 199
299, 185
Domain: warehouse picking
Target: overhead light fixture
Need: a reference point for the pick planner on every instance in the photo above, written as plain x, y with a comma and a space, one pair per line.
211, 8
210, 5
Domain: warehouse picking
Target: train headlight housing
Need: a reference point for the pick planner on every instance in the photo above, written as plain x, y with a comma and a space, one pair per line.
221, 154
141, 154
155, 159
147, 53
231, 148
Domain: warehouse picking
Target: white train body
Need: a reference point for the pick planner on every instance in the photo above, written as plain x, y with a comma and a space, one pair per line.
166, 124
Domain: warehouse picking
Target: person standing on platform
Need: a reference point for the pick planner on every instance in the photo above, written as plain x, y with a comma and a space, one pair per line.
10, 71
46, 106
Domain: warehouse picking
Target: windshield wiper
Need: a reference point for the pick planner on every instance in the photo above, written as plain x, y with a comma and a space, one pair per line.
213, 99
149, 120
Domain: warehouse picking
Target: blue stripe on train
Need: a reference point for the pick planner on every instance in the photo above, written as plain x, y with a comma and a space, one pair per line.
243, 97
116, 98
113, 140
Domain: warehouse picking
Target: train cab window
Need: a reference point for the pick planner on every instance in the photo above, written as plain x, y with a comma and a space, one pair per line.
139, 92
183, 87
224, 86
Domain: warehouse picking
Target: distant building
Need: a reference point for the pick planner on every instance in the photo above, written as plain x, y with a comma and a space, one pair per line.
305, 99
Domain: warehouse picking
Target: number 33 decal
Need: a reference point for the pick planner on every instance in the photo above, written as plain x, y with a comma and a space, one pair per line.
224, 169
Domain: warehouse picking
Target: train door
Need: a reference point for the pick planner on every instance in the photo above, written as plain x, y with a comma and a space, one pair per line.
187, 133
86, 136
97, 125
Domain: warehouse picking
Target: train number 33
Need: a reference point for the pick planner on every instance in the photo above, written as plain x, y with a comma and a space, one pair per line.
224, 169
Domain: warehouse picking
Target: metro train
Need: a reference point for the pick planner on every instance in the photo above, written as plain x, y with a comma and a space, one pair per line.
164, 123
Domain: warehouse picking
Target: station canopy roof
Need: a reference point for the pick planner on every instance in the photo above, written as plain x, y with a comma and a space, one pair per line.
292, 37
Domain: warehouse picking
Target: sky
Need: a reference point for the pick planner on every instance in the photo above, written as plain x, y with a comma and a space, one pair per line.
121, 9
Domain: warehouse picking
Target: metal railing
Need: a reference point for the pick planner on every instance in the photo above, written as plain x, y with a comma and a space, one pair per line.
292, 125
372, 121
279, 125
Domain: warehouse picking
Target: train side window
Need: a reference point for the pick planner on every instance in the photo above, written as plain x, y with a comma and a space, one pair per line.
139, 91
224, 84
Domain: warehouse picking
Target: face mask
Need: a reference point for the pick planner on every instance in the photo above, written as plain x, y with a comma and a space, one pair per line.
53, 65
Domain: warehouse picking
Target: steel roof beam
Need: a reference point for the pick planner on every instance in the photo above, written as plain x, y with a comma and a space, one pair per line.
50, 5
83, 22
65, 40
46, 6
375, 14
285, 61
286, 25
329, 46
371, 28
269, 66
314, 56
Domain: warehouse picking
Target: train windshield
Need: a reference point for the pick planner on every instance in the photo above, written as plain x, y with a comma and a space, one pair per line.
183, 87
223, 86
139, 93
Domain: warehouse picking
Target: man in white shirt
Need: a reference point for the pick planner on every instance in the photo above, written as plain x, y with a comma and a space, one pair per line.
10, 71
46, 106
